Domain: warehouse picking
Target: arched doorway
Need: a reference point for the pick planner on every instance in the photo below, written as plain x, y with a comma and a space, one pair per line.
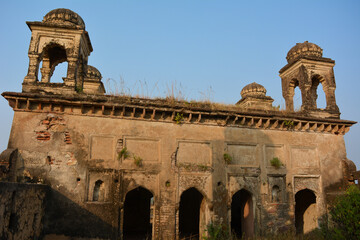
305, 211
242, 214
137, 224
189, 214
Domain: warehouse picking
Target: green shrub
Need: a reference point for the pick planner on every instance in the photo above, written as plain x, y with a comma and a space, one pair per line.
217, 232
179, 118
345, 215
138, 161
289, 124
123, 153
227, 158
275, 162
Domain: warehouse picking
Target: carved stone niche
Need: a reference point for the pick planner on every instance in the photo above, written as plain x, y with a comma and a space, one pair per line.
277, 190
99, 185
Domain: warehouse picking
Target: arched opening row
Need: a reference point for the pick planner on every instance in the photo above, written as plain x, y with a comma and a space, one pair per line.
194, 213
315, 98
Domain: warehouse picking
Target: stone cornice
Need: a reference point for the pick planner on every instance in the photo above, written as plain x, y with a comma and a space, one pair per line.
308, 60
64, 29
172, 111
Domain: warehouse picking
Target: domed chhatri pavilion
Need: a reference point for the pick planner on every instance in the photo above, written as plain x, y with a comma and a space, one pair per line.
81, 164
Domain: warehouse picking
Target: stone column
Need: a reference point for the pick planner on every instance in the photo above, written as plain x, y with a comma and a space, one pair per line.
45, 70
80, 76
70, 79
330, 99
306, 97
313, 95
288, 92
289, 100
33, 68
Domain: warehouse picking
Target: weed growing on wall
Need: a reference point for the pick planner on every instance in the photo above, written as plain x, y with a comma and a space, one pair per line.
227, 158
179, 118
289, 124
275, 162
138, 161
123, 153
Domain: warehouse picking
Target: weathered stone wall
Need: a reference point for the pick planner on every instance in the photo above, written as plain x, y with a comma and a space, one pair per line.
77, 151
98, 153
22, 210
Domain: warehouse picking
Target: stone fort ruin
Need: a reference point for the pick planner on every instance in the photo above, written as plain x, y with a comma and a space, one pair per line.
81, 164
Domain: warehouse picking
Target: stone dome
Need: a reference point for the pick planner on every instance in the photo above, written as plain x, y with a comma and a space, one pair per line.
253, 90
64, 17
302, 50
92, 72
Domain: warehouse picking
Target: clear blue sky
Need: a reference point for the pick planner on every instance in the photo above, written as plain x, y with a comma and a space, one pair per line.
211, 48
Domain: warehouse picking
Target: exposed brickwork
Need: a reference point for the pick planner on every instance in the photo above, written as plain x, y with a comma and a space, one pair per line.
67, 138
43, 136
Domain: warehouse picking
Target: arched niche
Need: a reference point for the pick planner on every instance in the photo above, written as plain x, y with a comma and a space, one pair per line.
99, 191
275, 194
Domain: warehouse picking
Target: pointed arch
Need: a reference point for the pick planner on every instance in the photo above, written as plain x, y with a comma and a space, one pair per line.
242, 214
138, 206
192, 214
98, 192
316, 81
305, 211
52, 55
275, 194
291, 98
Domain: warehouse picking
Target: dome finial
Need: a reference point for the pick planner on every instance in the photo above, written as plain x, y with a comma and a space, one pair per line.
64, 17
253, 90
305, 49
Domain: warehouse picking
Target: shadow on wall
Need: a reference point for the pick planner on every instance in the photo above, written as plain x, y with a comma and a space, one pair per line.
22, 208
65, 217
33, 211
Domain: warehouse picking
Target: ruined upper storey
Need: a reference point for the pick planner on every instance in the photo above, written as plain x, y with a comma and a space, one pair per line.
308, 69
61, 37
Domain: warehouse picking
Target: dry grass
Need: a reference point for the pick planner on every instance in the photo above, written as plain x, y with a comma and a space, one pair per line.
173, 94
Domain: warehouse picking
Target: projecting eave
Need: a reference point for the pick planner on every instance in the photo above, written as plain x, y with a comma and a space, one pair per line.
165, 110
